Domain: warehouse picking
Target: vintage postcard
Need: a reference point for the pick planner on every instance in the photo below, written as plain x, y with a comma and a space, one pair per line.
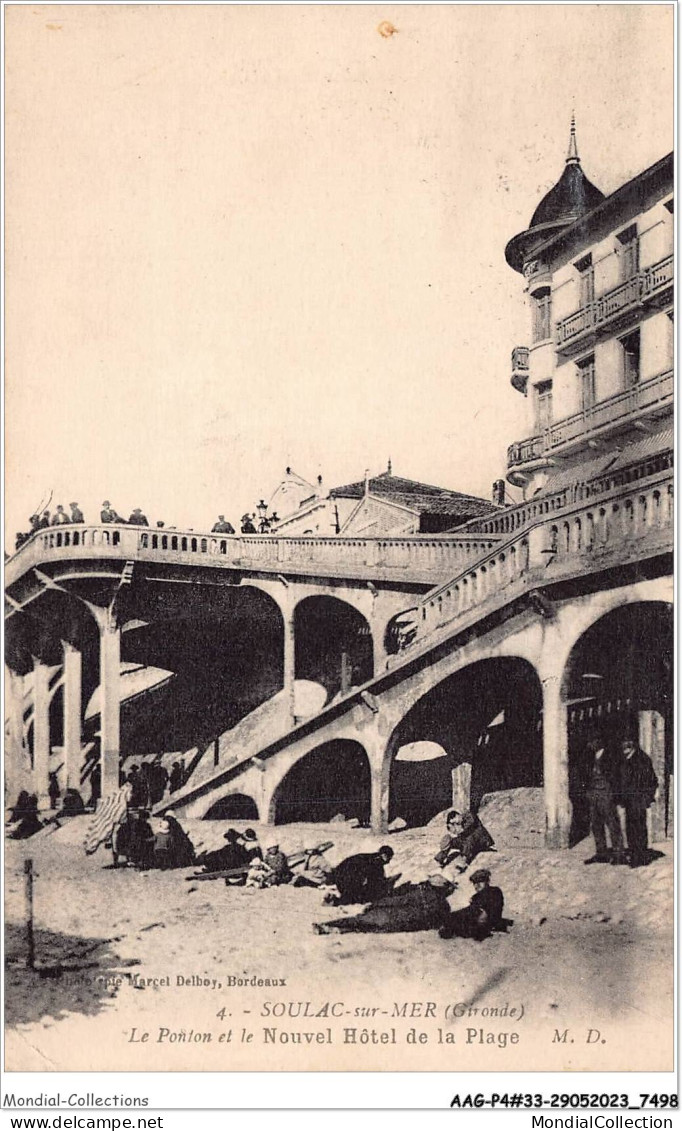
339, 538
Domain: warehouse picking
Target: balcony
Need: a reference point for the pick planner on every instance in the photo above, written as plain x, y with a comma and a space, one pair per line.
519, 360
650, 285
648, 398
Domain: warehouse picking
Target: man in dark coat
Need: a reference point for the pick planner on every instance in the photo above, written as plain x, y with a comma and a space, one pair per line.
76, 513
598, 779
413, 907
636, 791
158, 780
44, 522
28, 820
482, 916
247, 525
222, 526
175, 780
137, 518
231, 855
60, 517
53, 790
140, 841
361, 878
108, 514
138, 796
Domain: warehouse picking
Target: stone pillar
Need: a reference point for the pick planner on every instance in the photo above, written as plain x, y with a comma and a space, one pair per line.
652, 742
289, 674
72, 715
17, 776
110, 705
41, 732
461, 787
558, 809
379, 799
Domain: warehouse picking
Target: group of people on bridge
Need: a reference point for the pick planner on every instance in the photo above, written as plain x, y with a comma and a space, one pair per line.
109, 515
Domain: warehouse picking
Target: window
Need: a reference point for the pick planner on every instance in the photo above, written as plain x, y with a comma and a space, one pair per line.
544, 404
588, 392
629, 252
585, 269
542, 316
631, 368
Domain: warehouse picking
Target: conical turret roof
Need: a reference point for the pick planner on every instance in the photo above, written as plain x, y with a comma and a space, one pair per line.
572, 196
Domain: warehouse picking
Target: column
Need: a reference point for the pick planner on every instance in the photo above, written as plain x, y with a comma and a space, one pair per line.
110, 705
41, 732
16, 763
461, 787
72, 715
558, 810
652, 742
289, 674
380, 768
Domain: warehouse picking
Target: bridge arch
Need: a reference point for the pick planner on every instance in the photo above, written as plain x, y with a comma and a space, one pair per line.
333, 644
232, 807
225, 649
618, 682
332, 779
486, 719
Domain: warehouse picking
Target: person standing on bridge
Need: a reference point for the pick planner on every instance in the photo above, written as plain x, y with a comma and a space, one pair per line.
247, 525
44, 521
76, 513
60, 517
108, 514
137, 518
222, 526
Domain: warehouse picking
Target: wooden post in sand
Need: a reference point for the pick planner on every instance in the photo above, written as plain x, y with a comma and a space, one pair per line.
30, 942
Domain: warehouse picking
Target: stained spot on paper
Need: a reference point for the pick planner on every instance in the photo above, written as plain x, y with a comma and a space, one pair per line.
386, 29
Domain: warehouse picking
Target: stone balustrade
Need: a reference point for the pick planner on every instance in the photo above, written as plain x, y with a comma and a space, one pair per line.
424, 557
614, 528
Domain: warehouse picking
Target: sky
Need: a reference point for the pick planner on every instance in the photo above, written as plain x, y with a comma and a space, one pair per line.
241, 238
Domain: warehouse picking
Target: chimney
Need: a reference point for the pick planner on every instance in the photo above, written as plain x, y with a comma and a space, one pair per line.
498, 492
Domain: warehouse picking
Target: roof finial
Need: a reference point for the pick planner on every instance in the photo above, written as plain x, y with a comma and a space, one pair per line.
572, 155
389, 469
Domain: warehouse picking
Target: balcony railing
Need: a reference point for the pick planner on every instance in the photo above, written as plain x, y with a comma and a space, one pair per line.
648, 395
639, 288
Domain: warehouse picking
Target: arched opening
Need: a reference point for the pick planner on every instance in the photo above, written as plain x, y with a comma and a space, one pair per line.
222, 651
236, 807
487, 721
619, 684
332, 780
333, 644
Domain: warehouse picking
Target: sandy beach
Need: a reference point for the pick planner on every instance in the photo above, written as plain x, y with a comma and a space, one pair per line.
222, 978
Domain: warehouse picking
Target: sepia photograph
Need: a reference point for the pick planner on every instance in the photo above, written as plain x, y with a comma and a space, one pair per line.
339, 436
